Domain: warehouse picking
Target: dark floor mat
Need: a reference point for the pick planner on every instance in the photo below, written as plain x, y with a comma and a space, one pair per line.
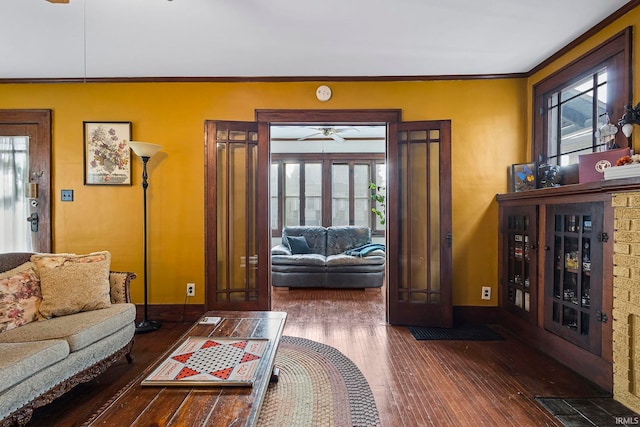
589, 411
462, 333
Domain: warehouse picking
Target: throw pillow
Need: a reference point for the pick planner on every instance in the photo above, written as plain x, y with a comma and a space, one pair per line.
298, 245
20, 297
72, 283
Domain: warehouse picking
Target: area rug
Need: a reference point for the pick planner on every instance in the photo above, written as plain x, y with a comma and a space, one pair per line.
589, 411
317, 386
466, 332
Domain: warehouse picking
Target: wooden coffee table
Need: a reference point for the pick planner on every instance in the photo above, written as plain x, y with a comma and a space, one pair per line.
202, 405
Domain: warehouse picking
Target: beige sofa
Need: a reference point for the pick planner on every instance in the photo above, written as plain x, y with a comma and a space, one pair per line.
43, 359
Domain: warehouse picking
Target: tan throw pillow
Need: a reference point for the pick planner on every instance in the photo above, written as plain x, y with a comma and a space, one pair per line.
20, 297
72, 283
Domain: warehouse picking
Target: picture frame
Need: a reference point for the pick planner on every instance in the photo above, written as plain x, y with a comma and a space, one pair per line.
524, 176
107, 156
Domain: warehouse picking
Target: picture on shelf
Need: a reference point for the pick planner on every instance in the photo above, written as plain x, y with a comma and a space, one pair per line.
523, 176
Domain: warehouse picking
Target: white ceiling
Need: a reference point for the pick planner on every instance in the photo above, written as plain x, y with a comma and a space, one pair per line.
280, 38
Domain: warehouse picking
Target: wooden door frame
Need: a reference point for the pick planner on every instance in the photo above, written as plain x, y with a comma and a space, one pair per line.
38, 123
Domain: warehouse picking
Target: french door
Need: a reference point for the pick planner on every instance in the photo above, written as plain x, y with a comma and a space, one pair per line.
238, 234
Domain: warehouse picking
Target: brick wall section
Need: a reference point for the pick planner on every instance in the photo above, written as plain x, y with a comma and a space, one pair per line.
626, 300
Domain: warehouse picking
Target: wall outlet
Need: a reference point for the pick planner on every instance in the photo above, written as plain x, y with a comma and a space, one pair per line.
486, 292
66, 195
191, 289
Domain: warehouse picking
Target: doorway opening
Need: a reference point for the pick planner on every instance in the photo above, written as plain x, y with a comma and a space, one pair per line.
325, 174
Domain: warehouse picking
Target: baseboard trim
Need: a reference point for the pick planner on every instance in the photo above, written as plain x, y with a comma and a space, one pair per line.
171, 312
475, 314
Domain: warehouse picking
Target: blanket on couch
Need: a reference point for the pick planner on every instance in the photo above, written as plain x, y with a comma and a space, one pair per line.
363, 250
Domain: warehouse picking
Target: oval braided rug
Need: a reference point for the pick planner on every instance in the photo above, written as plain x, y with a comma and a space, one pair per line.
317, 386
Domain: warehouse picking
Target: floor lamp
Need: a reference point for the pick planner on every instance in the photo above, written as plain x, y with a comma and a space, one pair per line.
145, 151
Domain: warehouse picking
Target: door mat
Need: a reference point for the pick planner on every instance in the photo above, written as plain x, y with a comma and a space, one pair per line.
589, 411
466, 332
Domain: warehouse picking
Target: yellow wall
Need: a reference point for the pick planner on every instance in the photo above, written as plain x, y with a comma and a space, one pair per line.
488, 134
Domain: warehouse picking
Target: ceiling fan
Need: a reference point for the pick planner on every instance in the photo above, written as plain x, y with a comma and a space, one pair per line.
330, 132
58, 1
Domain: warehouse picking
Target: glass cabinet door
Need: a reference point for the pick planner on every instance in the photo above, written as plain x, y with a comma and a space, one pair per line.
574, 273
520, 268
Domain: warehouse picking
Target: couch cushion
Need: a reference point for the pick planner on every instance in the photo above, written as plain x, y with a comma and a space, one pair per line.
340, 239
348, 260
79, 330
316, 237
21, 360
20, 297
72, 283
311, 260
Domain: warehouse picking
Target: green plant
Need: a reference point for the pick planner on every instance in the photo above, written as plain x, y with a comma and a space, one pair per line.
378, 194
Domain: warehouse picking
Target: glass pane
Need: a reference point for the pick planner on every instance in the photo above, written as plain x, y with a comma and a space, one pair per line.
275, 167
419, 216
340, 194
405, 232
434, 215
237, 242
362, 195
552, 137
577, 130
14, 175
313, 194
291, 214
222, 216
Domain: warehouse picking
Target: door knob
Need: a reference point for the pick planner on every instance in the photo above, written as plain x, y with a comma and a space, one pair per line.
33, 219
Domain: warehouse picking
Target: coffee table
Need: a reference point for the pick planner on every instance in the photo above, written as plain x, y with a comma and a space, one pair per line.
200, 405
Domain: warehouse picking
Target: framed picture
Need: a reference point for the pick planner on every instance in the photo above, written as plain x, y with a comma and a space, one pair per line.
524, 176
107, 156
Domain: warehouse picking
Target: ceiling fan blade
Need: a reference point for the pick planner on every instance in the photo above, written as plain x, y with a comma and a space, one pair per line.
309, 136
58, 1
337, 137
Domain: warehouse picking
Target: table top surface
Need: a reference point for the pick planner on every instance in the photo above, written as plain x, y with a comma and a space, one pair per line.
201, 405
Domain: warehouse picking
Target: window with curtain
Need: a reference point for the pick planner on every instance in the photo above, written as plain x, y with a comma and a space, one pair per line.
14, 207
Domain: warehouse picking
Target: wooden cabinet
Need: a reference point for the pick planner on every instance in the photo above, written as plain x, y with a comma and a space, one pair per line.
519, 280
556, 275
573, 273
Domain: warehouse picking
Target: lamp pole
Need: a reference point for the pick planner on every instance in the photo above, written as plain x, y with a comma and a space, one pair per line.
145, 151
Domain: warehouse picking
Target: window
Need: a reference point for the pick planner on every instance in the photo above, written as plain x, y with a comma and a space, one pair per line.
324, 190
575, 101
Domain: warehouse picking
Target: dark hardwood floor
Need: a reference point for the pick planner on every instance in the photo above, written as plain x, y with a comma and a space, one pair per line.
415, 383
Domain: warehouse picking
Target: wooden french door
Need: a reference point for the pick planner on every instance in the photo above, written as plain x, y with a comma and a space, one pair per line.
35, 127
238, 234
236, 198
419, 224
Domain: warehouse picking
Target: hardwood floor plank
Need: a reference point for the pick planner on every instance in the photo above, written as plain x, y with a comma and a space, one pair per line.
414, 383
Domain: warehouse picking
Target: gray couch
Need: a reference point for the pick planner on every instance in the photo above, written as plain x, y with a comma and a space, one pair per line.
331, 257
42, 360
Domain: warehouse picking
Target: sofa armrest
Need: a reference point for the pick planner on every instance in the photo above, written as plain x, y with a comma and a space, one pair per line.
280, 250
120, 282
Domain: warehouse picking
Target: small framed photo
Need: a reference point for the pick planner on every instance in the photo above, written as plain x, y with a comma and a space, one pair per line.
524, 176
107, 156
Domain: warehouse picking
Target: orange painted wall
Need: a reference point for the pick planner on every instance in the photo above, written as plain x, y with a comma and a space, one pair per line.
489, 121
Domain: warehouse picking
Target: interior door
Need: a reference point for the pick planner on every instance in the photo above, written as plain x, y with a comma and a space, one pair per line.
419, 224
34, 128
236, 261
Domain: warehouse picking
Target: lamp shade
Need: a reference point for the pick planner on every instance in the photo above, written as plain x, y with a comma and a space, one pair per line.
144, 149
627, 129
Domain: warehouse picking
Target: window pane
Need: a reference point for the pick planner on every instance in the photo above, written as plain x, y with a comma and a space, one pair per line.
362, 195
313, 194
274, 195
292, 194
340, 195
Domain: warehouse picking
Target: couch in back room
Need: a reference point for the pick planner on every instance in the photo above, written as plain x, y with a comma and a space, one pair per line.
328, 257
64, 319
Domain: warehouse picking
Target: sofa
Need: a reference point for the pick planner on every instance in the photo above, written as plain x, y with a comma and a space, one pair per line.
64, 319
327, 257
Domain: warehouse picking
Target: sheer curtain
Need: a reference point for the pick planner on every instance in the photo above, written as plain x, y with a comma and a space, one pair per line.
15, 232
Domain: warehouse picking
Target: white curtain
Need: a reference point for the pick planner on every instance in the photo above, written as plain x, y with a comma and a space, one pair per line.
15, 231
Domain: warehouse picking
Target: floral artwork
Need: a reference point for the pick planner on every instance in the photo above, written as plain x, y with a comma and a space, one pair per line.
107, 153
